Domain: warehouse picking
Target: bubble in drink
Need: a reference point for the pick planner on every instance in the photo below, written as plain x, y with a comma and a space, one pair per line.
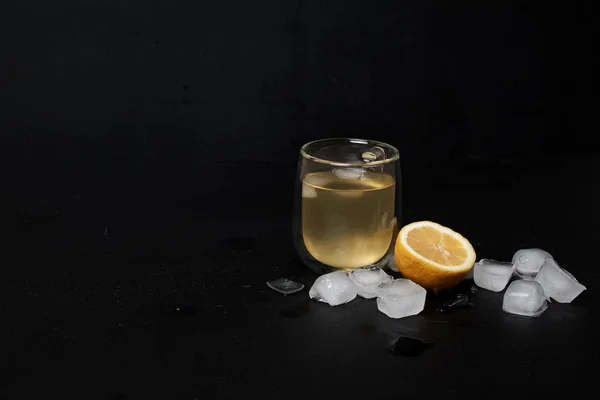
525, 298
529, 262
367, 280
558, 283
334, 288
492, 275
401, 298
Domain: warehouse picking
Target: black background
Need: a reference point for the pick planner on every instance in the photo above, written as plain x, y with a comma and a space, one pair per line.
149, 152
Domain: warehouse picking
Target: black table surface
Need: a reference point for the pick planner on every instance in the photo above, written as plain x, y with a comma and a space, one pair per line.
137, 294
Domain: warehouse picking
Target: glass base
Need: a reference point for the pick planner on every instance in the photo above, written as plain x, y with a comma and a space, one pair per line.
387, 262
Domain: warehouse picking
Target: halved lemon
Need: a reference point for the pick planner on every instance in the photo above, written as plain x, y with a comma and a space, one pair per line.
433, 255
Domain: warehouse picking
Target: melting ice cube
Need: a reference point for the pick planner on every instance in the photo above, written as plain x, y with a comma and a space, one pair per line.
285, 286
310, 181
529, 262
316, 179
492, 275
401, 298
308, 192
334, 288
368, 279
558, 283
525, 298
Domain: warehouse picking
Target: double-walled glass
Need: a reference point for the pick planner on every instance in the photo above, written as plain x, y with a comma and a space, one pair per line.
347, 206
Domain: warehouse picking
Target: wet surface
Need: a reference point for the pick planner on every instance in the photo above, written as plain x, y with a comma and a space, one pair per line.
459, 297
181, 308
461, 301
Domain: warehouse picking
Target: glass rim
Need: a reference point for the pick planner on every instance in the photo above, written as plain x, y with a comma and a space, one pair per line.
394, 157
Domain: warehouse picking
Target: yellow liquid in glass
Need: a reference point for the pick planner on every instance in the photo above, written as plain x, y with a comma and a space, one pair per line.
348, 216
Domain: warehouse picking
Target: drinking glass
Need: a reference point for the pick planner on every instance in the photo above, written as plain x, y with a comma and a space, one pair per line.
347, 204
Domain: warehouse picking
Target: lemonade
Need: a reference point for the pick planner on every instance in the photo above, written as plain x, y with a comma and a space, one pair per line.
348, 216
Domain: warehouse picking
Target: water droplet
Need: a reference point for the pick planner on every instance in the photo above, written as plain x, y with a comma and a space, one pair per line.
184, 309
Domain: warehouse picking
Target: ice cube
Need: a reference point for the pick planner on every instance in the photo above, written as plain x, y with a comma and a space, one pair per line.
529, 262
492, 275
285, 286
334, 288
368, 279
401, 298
316, 179
525, 298
348, 173
308, 192
558, 283
311, 181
